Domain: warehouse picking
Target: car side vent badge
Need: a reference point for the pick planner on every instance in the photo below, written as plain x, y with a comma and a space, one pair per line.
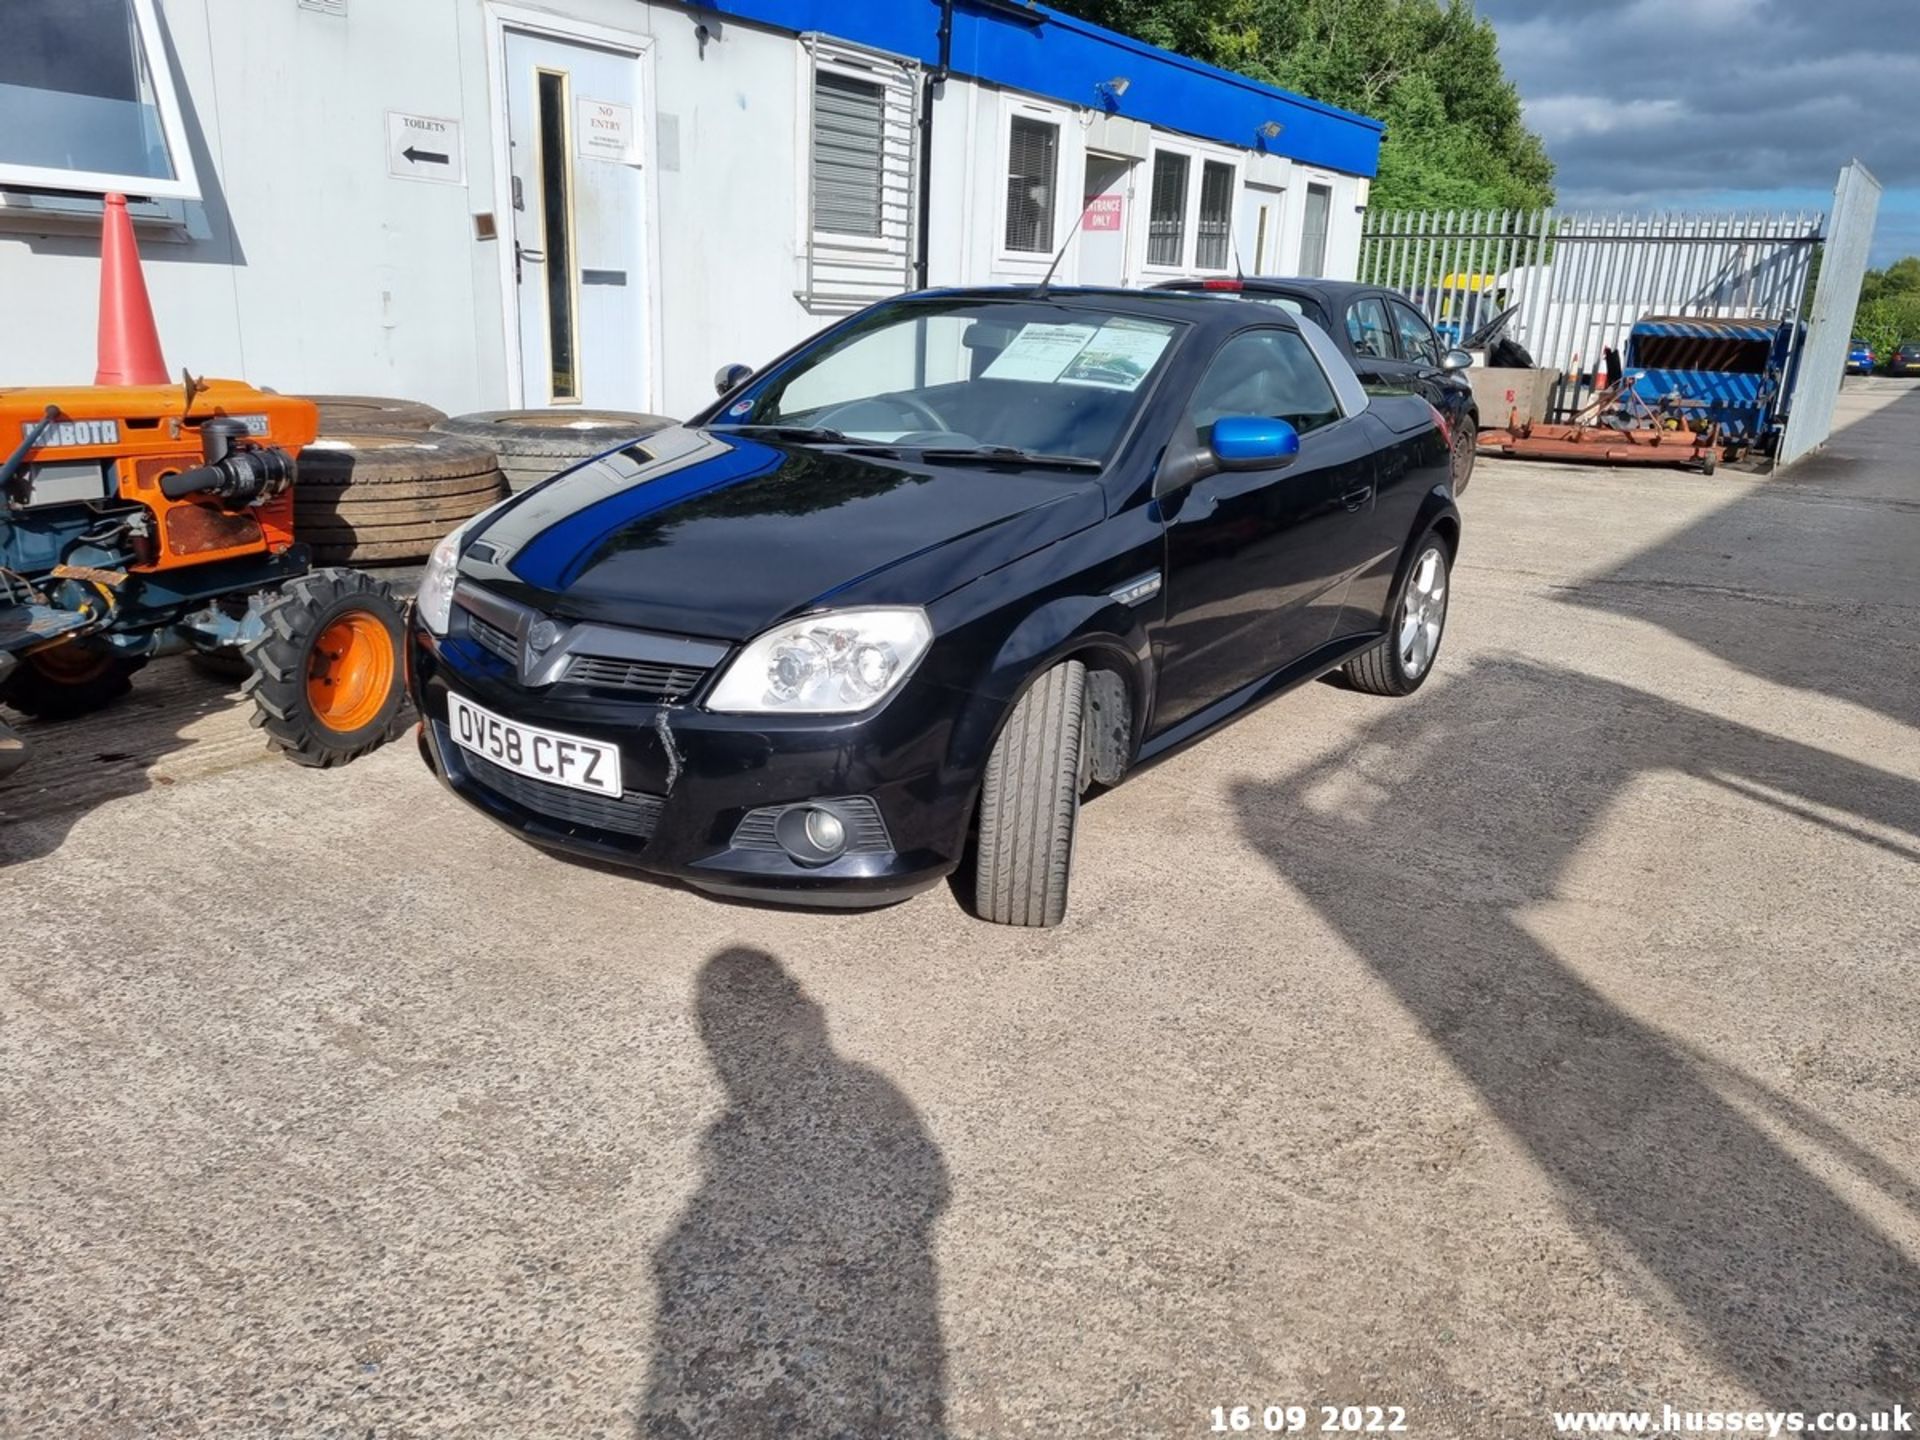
1144, 587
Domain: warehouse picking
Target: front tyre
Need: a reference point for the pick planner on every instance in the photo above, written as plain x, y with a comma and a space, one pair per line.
1402, 659
328, 683
1030, 803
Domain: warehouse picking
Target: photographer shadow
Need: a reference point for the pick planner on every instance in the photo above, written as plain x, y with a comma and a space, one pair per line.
798, 1291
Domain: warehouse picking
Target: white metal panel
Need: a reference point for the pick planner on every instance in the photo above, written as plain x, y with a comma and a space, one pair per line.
1823, 353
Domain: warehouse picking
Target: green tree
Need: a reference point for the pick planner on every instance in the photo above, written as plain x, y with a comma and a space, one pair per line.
1900, 278
1429, 68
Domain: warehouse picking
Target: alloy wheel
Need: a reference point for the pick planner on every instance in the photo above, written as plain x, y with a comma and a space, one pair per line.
1423, 611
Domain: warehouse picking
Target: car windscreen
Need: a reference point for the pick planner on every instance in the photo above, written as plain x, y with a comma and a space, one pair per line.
1037, 376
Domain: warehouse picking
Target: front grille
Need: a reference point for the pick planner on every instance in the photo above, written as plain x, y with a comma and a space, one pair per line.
866, 831
655, 682
492, 637
632, 814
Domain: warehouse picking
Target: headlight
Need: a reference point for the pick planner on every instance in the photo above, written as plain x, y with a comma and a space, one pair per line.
433, 601
836, 663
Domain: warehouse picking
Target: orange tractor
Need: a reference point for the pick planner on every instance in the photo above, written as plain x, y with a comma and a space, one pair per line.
148, 518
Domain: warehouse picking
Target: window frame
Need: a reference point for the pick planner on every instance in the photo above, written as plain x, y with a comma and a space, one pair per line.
1310, 182
1342, 411
1234, 193
1064, 225
852, 75
1394, 305
1016, 116
828, 63
173, 132
1387, 330
836, 273
1198, 157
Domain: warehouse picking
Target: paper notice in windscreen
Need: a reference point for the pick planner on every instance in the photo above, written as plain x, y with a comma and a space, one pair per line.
1119, 357
1039, 352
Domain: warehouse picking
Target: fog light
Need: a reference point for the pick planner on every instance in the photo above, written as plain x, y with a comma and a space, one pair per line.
810, 834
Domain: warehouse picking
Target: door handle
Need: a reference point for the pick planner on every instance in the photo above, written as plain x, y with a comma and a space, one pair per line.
523, 256
1354, 499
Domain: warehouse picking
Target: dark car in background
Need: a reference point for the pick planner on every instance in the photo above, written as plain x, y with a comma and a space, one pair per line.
1384, 337
1860, 358
1905, 359
896, 601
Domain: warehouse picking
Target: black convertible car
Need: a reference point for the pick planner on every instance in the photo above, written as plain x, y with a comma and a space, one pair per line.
898, 600
1387, 341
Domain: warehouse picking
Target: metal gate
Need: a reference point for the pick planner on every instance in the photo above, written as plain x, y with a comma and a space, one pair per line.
1823, 349
1576, 282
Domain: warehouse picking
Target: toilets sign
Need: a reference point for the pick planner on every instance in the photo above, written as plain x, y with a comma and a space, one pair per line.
603, 130
421, 147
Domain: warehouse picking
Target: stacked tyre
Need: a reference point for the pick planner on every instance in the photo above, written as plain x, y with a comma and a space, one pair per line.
531, 445
357, 413
387, 496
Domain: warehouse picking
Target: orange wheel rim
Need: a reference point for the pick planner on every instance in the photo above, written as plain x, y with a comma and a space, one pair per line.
350, 673
70, 665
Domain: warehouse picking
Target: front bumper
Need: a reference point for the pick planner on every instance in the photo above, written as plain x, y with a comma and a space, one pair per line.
692, 776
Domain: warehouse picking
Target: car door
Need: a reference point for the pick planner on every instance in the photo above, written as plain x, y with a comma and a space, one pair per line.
1258, 561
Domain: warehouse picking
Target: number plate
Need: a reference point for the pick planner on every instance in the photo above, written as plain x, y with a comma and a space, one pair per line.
540, 754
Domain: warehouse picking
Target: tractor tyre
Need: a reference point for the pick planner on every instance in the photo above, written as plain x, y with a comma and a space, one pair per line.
373, 412
328, 681
372, 495
534, 444
67, 681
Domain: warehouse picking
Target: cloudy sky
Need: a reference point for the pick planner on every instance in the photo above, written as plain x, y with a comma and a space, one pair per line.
1723, 103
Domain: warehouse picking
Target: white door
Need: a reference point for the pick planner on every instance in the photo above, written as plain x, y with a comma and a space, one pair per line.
1257, 231
578, 222
1103, 220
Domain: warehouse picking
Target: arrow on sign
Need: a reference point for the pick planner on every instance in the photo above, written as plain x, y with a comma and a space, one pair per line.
429, 157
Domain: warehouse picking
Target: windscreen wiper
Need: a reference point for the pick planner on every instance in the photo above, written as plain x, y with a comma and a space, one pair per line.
814, 434
1005, 455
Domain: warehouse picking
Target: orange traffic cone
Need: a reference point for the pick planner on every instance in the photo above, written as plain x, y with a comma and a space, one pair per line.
129, 340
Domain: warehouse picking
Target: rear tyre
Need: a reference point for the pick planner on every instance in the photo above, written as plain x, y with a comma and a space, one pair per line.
68, 681
1030, 804
327, 682
1466, 441
1403, 658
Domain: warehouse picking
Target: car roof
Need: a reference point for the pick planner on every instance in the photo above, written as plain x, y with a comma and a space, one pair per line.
1189, 306
1330, 294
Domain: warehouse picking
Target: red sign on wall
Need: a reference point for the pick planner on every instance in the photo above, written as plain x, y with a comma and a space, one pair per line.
1102, 213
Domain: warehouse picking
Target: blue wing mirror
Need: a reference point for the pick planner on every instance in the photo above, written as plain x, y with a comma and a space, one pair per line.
1253, 442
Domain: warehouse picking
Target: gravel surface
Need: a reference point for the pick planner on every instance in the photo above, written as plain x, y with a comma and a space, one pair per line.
1543, 1041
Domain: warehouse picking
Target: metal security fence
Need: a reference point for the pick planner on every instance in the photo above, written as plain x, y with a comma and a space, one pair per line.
1576, 282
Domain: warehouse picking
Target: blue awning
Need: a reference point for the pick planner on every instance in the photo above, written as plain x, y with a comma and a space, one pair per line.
1058, 57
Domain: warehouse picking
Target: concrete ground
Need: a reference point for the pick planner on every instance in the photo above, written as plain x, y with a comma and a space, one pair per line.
1544, 1041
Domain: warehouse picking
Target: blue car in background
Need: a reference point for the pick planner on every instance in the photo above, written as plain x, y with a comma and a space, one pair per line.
1861, 359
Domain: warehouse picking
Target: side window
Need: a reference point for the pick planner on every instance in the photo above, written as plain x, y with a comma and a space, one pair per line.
1367, 328
1264, 372
1416, 336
